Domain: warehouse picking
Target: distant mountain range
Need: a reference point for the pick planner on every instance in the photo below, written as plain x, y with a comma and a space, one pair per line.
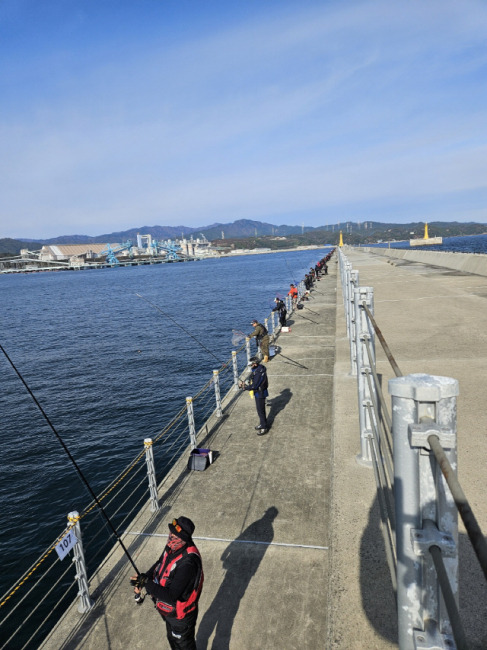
235, 230
246, 233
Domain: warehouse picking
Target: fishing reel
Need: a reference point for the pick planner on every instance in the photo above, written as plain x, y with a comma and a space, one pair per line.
139, 582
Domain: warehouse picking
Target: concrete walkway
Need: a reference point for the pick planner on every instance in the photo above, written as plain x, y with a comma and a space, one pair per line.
434, 321
261, 513
288, 523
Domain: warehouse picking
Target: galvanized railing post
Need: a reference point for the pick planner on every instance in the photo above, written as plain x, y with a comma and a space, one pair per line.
341, 261
426, 516
151, 474
247, 349
363, 332
346, 296
351, 309
216, 382
85, 603
266, 324
235, 369
192, 428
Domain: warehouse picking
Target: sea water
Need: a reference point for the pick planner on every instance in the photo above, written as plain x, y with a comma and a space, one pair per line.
109, 370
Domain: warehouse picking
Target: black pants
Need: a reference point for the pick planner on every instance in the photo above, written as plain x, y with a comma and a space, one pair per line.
181, 634
282, 318
260, 406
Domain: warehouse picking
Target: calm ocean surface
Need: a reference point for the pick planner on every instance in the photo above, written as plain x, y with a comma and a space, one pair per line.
109, 370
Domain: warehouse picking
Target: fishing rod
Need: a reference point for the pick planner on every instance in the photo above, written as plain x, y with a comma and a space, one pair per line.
291, 272
78, 469
313, 312
180, 326
310, 319
293, 361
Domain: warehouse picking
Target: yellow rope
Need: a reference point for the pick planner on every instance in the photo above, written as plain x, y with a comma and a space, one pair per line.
36, 566
105, 494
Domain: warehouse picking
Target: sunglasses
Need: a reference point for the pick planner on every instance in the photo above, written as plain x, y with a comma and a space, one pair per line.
176, 525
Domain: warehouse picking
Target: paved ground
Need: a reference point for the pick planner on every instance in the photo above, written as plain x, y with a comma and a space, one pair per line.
261, 513
434, 321
265, 501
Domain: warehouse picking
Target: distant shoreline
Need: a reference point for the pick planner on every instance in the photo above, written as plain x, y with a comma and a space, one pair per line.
265, 252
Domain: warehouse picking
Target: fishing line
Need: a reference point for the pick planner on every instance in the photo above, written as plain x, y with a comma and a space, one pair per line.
78, 469
180, 326
291, 272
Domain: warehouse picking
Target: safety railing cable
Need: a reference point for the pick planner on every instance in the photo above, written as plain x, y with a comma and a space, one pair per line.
382, 340
469, 520
449, 599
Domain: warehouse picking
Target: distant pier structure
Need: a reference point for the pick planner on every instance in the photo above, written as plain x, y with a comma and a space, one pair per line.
427, 240
71, 257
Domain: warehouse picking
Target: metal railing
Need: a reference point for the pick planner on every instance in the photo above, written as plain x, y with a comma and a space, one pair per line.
413, 454
47, 588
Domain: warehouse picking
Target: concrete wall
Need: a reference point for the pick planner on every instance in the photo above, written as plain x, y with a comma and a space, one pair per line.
465, 262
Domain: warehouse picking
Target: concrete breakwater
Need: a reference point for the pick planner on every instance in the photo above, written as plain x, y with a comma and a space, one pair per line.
464, 262
288, 524
261, 514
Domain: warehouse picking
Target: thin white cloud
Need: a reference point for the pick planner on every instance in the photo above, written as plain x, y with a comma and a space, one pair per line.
311, 109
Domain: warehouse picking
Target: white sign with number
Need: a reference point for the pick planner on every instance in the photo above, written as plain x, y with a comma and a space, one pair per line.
66, 544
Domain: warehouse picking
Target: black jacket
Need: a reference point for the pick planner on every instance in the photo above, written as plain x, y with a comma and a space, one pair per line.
259, 382
280, 307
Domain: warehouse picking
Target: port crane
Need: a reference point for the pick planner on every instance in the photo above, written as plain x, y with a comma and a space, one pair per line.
110, 252
172, 250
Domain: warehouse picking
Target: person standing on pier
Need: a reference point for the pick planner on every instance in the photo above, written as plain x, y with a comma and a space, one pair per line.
281, 310
175, 582
258, 384
293, 292
262, 338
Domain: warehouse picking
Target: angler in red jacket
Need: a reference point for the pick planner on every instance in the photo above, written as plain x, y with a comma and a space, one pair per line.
293, 292
175, 582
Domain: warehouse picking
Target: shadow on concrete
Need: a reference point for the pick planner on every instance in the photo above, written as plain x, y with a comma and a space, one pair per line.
378, 599
278, 404
472, 595
241, 560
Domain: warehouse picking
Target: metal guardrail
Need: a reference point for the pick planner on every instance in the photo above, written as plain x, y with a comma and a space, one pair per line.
46, 589
413, 454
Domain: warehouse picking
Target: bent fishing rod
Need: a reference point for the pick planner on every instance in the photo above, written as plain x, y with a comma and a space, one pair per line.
180, 326
70, 456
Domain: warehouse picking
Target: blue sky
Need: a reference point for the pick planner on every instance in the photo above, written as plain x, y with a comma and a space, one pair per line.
117, 114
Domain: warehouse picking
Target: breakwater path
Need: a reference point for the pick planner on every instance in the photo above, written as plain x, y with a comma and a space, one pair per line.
260, 510
288, 524
434, 321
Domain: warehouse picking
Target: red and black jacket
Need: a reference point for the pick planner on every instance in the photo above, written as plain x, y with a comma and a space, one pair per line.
176, 581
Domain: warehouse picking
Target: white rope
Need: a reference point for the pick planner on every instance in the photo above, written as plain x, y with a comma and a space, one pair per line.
236, 541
